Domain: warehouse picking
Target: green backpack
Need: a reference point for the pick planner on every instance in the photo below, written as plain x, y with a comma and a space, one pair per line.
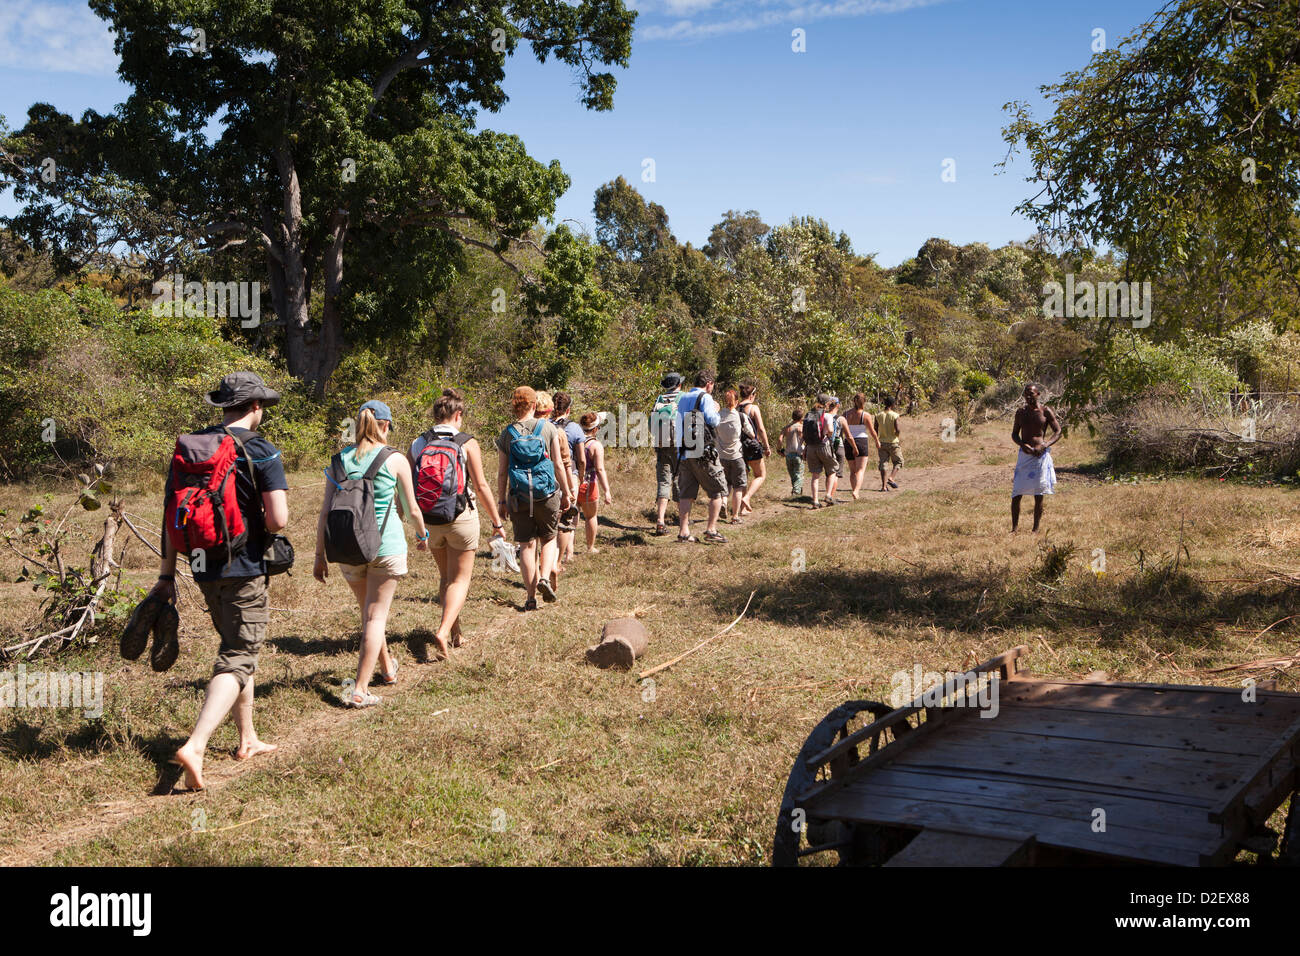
663, 420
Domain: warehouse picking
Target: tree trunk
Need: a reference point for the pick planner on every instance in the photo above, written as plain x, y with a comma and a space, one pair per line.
299, 340
329, 350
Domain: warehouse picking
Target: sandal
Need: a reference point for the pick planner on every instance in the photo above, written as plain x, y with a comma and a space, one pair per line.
388, 680
661, 530
360, 699
687, 539
530, 604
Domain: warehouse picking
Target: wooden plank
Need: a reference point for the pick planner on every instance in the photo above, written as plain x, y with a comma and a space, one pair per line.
1207, 736
1272, 766
1272, 711
1150, 817
934, 847
962, 779
1142, 809
1117, 842
1181, 688
1079, 761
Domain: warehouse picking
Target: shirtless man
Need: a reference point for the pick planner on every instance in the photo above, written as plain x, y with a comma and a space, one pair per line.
1035, 473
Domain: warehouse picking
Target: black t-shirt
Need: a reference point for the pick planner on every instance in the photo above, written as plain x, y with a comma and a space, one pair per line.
270, 477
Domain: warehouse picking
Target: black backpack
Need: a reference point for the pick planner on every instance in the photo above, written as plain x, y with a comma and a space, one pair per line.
352, 534
812, 428
696, 432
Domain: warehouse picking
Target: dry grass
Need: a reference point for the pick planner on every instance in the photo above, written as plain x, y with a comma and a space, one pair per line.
577, 764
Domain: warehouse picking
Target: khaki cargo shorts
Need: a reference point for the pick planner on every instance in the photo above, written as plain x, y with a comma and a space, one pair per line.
390, 565
890, 454
822, 458
240, 609
461, 535
694, 474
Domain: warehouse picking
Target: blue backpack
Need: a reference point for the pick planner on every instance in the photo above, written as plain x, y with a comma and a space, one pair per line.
531, 473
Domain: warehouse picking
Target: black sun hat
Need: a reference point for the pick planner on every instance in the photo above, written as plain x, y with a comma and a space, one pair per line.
240, 387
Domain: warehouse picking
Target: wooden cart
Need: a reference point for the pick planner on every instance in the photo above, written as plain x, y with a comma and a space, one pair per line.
1067, 772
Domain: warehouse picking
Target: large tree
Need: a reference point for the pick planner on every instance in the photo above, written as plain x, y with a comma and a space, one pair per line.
297, 137
737, 231
1179, 149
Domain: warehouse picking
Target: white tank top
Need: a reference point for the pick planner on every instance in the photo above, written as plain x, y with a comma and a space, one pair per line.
860, 429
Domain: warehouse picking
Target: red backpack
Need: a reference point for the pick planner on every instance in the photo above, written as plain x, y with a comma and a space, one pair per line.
202, 511
441, 482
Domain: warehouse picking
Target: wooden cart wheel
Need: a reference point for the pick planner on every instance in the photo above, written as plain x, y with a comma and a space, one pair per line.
859, 844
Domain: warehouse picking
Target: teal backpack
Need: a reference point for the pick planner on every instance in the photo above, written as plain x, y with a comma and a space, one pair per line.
531, 473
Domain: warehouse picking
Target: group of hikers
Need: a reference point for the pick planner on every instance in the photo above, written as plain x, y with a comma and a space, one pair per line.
226, 504
722, 450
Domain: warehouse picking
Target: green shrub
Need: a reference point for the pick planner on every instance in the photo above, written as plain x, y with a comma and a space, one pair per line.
975, 383
115, 385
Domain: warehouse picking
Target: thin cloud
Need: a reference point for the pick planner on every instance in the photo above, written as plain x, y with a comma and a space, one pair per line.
778, 12
52, 37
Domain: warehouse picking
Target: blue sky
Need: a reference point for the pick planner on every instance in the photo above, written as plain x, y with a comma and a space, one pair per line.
854, 130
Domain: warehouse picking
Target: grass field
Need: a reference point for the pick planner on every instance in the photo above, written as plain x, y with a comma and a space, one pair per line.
518, 752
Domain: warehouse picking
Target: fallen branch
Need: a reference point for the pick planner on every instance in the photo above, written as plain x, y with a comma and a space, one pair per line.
136, 531
87, 612
232, 826
1280, 663
34, 640
681, 657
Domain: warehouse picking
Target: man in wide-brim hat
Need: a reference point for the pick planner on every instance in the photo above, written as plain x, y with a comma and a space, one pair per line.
235, 589
241, 388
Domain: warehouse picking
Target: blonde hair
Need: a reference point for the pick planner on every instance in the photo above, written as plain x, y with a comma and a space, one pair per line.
368, 428
544, 402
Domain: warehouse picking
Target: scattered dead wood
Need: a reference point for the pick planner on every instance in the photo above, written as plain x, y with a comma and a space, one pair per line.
681, 657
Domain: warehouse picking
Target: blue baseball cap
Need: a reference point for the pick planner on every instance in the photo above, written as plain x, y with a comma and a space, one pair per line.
382, 412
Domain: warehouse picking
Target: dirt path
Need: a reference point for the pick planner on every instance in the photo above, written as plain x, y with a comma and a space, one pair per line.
40, 848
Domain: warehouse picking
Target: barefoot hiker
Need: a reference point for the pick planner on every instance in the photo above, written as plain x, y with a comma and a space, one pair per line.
1035, 473
731, 455
446, 462
754, 442
360, 529
572, 435
230, 573
533, 491
862, 432
594, 478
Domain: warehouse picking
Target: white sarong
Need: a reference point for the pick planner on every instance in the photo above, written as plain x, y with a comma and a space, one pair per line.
1034, 475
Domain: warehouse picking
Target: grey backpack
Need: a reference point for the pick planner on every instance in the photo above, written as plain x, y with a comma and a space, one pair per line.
352, 533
